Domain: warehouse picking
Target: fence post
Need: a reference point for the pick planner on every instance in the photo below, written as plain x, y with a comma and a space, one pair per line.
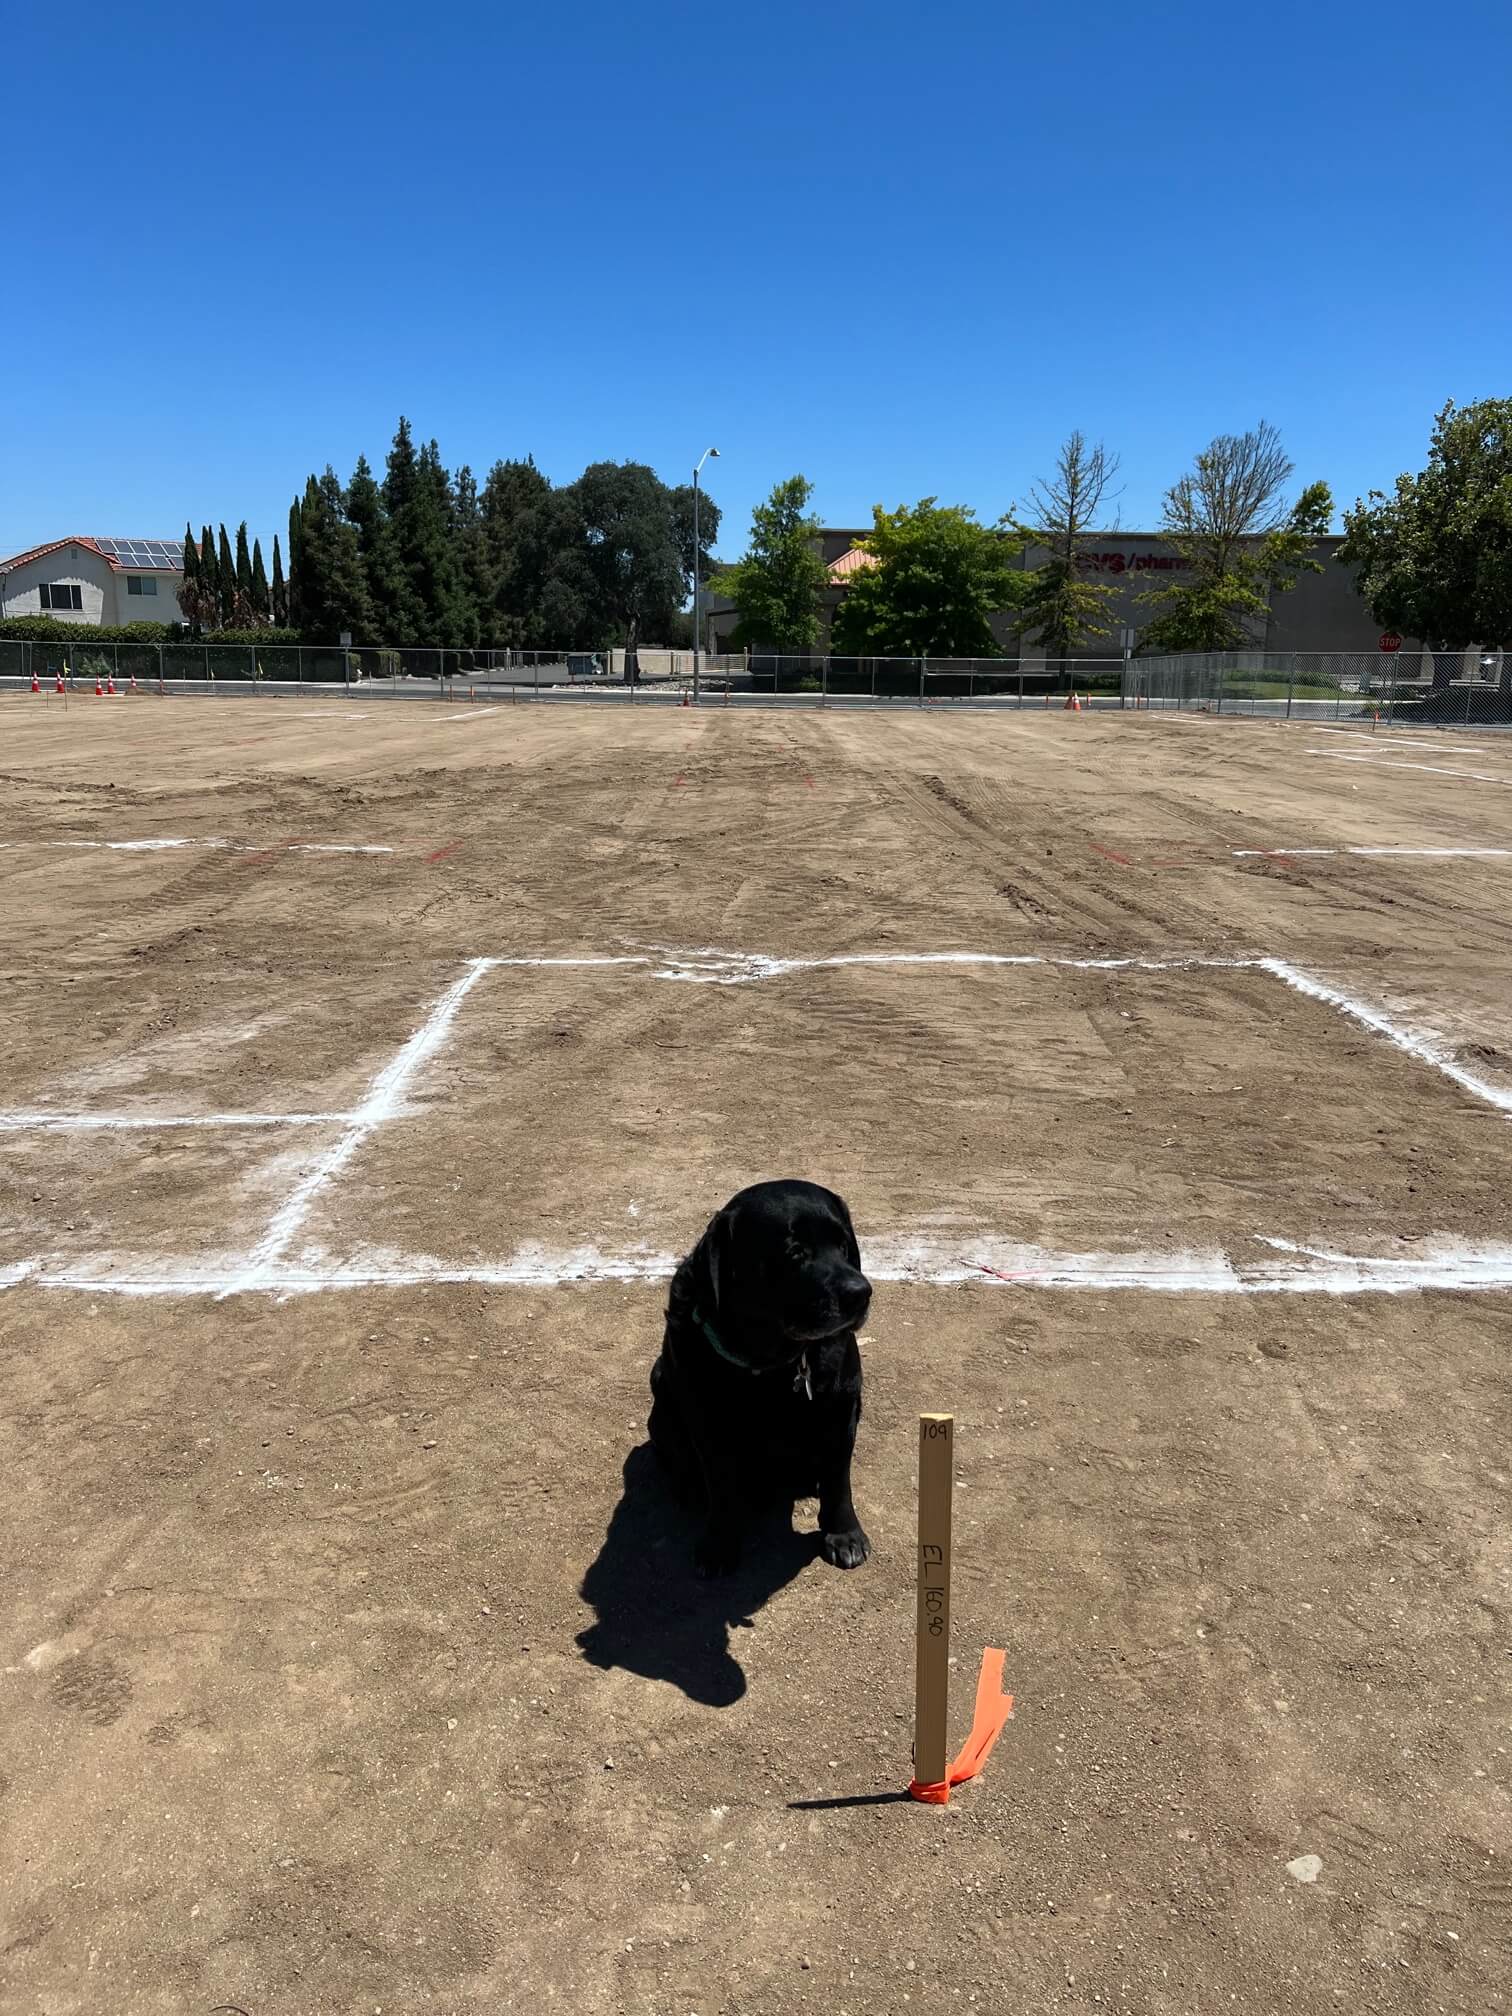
921, 682
824, 681
1291, 684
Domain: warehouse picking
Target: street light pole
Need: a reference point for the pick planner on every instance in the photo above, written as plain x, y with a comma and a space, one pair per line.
697, 556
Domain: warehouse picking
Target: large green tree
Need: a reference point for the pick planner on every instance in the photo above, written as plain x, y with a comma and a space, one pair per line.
417, 498
1434, 558
633, 552
332, 590
935, 579
778, 586
1229, 519
523, 528
395, 611
1063, 609
472, 556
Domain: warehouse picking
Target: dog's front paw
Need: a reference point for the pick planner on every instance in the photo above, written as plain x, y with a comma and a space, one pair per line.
845, 1550
717, 1553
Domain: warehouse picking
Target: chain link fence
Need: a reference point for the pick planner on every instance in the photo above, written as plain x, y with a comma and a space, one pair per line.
234, 670
1457, 689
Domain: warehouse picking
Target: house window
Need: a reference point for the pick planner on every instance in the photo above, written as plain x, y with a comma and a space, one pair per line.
62, 595
140, 584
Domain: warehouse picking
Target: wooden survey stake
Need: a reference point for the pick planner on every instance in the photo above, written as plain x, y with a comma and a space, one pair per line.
932, 1673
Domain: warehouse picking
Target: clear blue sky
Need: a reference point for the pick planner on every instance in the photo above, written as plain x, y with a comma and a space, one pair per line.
902, 248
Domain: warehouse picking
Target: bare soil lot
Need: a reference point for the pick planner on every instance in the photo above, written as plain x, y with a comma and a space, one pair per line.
351, 1658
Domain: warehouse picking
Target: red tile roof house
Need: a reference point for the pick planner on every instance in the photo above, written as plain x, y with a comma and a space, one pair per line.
94, 582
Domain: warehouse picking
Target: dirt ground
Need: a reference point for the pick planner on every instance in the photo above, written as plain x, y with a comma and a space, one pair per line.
351, 1657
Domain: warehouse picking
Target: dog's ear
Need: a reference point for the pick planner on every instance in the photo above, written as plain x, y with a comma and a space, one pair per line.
719, 1256
852, 1249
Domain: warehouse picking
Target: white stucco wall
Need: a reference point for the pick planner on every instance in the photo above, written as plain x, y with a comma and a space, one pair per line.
68, 564
102, 591
160, 608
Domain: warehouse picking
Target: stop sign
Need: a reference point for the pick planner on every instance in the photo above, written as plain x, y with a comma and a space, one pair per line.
1391, 642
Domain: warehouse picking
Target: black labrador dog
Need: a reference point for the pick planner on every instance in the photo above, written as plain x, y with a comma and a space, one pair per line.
758, 1386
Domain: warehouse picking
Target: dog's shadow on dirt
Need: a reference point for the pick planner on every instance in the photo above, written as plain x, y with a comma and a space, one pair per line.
656, 1617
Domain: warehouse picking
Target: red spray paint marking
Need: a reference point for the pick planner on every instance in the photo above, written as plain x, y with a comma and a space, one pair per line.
442, 852
998, 1275
1109, 855
678, 779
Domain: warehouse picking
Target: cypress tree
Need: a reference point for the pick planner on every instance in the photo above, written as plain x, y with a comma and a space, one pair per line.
226, 572
262, 607
280, 589
209, 574
189, 587
244, 610
296, 543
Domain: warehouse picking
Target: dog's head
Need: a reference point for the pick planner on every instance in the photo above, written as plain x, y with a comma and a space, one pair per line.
784, 1270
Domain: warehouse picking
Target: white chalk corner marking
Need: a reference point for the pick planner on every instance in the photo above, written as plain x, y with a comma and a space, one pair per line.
273, 1266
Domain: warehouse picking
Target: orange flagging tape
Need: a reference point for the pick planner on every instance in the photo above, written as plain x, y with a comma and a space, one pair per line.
993, 1707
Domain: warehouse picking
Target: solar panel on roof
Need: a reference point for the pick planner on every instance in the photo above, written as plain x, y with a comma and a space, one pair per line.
144, 553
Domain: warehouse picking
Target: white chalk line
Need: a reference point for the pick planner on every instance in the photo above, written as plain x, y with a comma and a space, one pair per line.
455, 720
383, 1100
709, 965
925, 1260
1395, 739
713, 966
1399, 853
1435, 769
1423, 1048
226, 846
267, 1270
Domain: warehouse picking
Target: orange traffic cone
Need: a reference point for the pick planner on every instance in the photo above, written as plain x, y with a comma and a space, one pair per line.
99, 689
110, 683
35, 687
1073, 705
59, 687
133, 682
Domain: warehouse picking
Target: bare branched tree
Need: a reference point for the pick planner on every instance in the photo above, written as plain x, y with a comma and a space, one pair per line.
1064, 609
1234, 491
1241, 540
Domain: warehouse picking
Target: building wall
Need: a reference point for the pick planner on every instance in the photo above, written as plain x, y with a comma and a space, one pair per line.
163, 607
103, 591
69, 564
